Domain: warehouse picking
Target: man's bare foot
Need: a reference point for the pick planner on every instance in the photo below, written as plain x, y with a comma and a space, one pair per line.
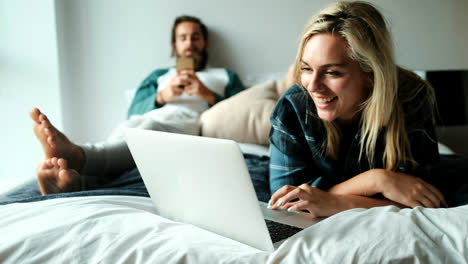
54, 176
54, 143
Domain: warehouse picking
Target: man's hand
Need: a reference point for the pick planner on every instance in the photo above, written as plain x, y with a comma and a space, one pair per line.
196, 87
186, 81
174, 89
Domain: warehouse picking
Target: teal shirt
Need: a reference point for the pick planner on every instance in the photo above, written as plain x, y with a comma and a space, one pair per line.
145, 97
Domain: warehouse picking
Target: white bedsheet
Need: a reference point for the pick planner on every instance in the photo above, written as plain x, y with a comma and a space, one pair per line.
125, 229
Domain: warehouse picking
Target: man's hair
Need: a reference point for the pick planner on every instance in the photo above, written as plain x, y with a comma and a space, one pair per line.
370, 44
185, 18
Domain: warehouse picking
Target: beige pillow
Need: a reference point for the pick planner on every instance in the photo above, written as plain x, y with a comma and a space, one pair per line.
244, 117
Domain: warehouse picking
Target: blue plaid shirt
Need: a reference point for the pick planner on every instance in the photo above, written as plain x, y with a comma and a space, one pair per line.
297, 134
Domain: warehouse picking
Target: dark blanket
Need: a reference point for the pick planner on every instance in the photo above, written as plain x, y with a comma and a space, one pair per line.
454, 183
130, 183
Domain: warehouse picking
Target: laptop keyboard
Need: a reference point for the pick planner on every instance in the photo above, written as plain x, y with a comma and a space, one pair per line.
279, 231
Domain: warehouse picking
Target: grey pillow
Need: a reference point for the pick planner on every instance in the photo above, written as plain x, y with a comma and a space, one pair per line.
244, 117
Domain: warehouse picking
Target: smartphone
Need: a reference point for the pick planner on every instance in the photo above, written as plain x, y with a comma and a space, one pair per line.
184, 63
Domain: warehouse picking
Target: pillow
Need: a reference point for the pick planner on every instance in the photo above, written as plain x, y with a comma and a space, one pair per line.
244, 117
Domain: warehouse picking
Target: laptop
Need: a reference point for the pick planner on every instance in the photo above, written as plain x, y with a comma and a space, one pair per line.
205, 182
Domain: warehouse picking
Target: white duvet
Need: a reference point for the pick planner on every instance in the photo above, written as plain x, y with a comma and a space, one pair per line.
125, 229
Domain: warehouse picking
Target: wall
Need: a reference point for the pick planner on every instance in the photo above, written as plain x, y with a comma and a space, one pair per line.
455, 138
109, 46
28, 77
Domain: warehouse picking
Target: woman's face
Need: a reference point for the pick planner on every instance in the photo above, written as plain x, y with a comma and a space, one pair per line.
334, 81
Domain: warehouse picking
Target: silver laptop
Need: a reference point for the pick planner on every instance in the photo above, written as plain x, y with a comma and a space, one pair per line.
205, 182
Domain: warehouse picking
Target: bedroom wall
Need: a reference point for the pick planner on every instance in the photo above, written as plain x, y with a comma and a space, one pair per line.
109, 46
28, 77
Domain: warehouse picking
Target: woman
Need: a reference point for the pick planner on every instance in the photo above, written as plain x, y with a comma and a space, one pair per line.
356, 130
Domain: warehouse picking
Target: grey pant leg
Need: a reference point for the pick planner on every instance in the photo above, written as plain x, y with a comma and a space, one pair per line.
107, 160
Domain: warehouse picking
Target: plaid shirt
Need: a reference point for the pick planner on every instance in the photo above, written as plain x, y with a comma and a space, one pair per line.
297, 134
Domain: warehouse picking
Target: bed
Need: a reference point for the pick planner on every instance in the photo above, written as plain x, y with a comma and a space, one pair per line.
95, 227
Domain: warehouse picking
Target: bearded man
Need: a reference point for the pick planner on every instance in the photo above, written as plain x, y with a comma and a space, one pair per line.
169, 100
196, 88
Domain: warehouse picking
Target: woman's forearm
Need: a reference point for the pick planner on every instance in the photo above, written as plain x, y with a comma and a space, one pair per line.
320, 203
399, 187
364, 184
345, 202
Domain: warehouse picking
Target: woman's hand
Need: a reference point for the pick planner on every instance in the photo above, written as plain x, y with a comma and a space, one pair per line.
317, 202
409, 190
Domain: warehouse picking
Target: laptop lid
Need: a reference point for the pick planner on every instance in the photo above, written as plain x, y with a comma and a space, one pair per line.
202, 181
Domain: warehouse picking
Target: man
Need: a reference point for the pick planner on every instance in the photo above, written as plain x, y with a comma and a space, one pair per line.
168, 100
189, 38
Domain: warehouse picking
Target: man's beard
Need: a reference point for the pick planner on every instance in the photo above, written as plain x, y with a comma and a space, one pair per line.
200, 59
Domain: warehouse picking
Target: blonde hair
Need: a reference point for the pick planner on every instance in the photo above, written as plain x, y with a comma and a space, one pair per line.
370, 44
